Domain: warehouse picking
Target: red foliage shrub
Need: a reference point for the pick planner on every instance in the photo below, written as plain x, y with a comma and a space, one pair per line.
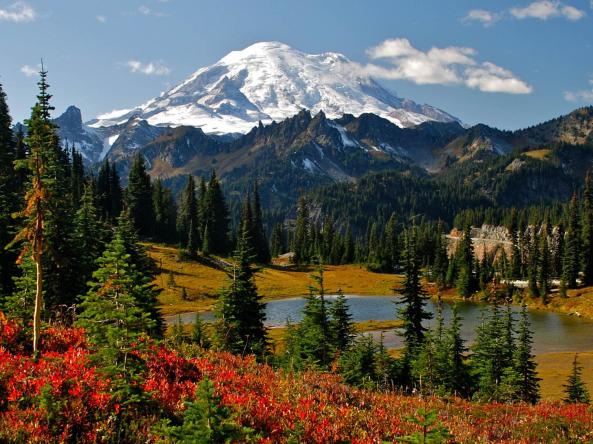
62, 398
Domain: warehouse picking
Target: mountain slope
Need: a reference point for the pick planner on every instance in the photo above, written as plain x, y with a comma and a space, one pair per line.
269, 81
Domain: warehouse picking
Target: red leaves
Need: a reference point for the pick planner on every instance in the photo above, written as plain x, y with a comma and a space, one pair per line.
61, 397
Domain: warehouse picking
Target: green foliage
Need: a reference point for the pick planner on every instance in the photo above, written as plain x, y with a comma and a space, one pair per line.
207, 421
575, 389
431, 431
241, 314
138, 197
341, 325
199, 335
216, 220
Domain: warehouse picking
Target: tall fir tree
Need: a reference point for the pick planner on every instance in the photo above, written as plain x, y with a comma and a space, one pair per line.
527, 389
165, 213
216, 219
260, 240
466, 281
587, 229
301, 245
571, 256
188, 226
8, 198
90, 236
241, 314
138, 197
575, 389
341, 324
413, 311
46, 227
544, 269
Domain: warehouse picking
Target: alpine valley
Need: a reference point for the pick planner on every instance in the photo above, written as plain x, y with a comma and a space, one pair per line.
298, 122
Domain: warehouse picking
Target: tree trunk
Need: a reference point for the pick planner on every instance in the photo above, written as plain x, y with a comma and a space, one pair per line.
38, 303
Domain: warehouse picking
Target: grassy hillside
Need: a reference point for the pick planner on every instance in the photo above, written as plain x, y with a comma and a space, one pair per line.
202, 283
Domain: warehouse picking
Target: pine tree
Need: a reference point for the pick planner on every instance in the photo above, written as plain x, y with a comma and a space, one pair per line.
532, 266
571, 256
188, 225
441, 261
44, 167
358, 365
302, 233
314, 332
466, 282
341, 325
216, 219
8, 197
138, 197
544, 266
260, 241
165, 213
145, 269
457, 378
524, 364
575, 389
77, 180
199, 336
241, 314
89, 235
391, 245
207, 421
111, 312
587, 225
277, 241
413, 312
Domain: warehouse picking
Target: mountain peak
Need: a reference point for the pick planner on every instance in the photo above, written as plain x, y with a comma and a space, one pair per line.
270, 81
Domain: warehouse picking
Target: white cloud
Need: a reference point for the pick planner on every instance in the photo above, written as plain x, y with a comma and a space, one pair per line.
18, 12
30, 71
441, 66
149, 69
144, 10
487, 18
489, 77
101, 18
546, 9
585, 95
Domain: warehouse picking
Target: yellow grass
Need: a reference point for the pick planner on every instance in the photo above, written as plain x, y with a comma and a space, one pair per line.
554, 369
202, 283
538, 154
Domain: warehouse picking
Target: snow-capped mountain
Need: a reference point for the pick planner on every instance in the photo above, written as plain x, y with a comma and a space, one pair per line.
270, 81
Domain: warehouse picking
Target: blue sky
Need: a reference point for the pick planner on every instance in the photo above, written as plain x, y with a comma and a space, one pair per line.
505, 63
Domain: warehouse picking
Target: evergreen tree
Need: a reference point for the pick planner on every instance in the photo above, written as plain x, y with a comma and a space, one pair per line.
77, 180
571, 256
457, 378
41, 214
341, 325
277, 241
216, 219
8, 197
241, 314
575, 388
532, 266
188, 225
358, 365
391, 245
313, 337
544, 266
207, 421
466, 282
587, 224
138, 197
525, 367
165, 213
111, 312
145, 272
413, 312
440, 258
302, 233
89, 236
260, 241
199, 336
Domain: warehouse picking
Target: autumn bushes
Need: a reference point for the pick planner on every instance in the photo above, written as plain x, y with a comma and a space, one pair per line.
62, 397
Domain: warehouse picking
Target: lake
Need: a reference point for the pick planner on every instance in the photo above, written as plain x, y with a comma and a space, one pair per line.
553, 332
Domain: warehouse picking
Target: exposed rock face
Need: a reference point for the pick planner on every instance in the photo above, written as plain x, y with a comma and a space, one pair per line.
485, 239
